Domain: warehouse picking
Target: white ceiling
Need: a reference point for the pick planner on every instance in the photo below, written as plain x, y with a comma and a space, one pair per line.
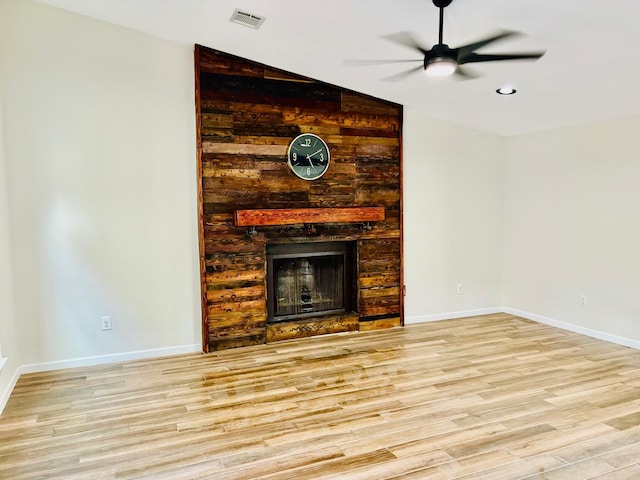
590, 72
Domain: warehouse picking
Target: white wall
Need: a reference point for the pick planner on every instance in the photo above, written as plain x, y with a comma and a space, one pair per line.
572, 226
10, 359
100, 154
453, 179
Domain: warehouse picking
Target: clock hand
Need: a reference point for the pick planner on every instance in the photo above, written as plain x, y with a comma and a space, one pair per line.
311, 163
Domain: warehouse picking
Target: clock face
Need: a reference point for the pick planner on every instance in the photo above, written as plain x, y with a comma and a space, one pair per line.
308, 156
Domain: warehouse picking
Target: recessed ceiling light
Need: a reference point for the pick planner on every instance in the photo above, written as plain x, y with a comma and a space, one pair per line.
506, 91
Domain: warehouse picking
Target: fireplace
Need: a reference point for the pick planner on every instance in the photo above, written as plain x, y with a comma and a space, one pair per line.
309, 279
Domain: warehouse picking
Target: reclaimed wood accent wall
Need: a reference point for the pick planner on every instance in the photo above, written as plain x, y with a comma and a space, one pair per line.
247, 114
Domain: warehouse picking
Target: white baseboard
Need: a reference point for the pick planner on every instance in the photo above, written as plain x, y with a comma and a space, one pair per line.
600, 335
113, 358
451, 315
4, 396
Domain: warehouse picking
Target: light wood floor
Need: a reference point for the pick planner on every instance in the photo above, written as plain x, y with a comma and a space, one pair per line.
493, 397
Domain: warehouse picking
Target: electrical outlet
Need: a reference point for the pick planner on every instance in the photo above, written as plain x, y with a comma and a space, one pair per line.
106, 323
583, 300
460, 289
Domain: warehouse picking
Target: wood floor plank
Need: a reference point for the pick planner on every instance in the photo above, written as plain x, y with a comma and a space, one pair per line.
488, 397
517, 470
631, 472
621, 457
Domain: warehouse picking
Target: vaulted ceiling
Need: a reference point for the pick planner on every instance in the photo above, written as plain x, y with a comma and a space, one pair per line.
591, 70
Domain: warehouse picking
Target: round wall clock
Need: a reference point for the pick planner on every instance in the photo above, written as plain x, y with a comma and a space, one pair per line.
308, 156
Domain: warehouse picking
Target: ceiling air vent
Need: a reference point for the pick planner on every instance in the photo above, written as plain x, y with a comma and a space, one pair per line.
247, 19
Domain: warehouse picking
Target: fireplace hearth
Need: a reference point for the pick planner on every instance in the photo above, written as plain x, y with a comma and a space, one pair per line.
309, 279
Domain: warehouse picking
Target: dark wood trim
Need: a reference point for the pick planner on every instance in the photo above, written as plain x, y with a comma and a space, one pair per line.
401, 226
201, 244
296, 216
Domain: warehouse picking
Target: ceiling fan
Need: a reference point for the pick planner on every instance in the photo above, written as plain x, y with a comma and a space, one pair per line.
441, 60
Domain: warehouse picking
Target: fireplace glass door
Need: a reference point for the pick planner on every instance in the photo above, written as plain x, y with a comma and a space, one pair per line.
308, 281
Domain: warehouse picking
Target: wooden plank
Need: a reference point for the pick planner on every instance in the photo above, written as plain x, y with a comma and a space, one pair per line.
237, 318
224, 120
239, 294
274, 74
217, 62
372, 293
239, 149
292, 95
293, 216
379, 309
230, 324
379, 280
356, 102
217, 342
219, 262
350, 120
257, 305
232, 277
310, 328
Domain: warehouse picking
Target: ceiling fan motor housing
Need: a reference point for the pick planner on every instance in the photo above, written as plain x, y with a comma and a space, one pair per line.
439, 53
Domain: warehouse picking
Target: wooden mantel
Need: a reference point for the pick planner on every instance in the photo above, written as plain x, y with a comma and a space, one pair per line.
293, 216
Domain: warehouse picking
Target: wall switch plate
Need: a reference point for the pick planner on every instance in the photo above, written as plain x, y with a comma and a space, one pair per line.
583, 300
460, 289
106, 323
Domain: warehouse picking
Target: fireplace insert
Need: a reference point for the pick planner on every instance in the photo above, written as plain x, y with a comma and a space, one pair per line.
309, 279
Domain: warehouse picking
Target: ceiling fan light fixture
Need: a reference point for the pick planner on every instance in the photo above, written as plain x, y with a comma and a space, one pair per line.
440, 67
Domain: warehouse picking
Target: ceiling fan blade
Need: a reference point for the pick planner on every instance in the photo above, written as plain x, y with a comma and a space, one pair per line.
477, 57
402, 75
406, 39
471, 47
364, 63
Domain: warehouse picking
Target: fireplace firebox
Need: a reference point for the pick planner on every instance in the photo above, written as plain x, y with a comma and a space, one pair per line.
309, 279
